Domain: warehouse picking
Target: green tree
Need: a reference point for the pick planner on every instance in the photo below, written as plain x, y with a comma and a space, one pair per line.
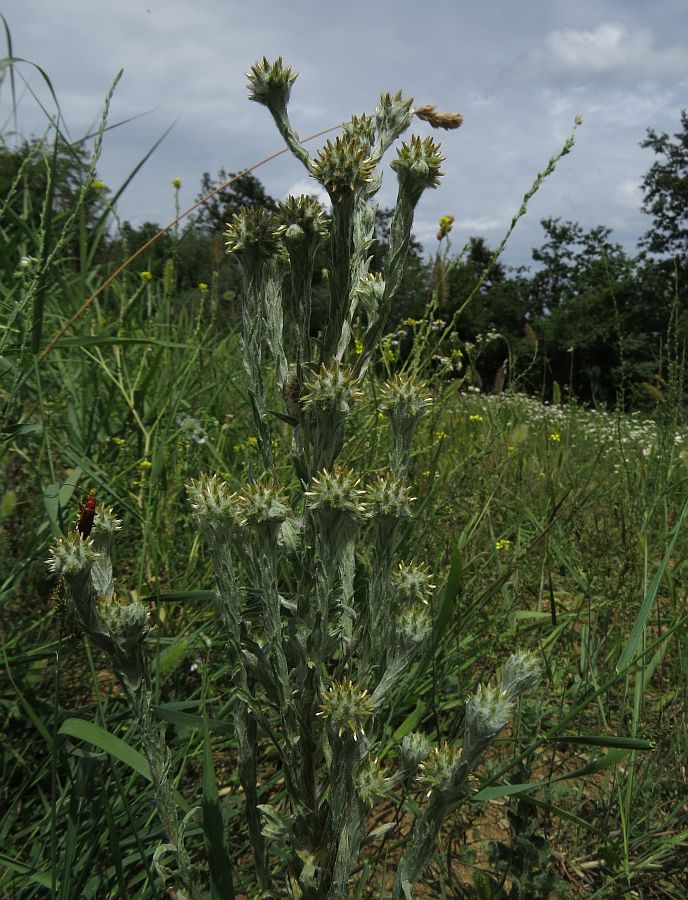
212, 217
665, 193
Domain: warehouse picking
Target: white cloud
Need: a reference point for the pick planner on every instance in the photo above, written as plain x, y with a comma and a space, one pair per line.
628, 194
608, 50
311, 188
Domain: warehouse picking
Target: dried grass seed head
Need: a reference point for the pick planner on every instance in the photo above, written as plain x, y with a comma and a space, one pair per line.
430, 114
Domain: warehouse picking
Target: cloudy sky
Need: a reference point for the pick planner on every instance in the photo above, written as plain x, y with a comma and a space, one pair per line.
518, 72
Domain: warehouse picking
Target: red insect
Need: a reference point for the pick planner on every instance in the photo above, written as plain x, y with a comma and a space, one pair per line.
87, 513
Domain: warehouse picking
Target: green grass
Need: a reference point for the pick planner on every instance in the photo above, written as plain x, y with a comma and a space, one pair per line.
549, 527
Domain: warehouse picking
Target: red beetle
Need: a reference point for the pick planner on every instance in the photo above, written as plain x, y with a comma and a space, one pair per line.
87, 513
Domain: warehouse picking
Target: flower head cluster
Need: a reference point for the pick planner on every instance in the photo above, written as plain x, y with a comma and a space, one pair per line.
402, 398
389, 497
348, 706
415, 749
413, 583
371, 783
361, 129
71, 554
331, 387
487, 712
106, 521
270, 83
335, 490
343, 167
252, 233
263, 502
521, 672
392, 117
439, 768
212, 501
301, 219
414, 625
126, 622
418, 165
370, 291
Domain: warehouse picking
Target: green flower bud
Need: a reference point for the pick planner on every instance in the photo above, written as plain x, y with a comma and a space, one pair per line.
71, 555
251, 233
371, 783
440, 767
389, 497
335, 491
418, 166
415, 749
301, 219
487, 712
331, 388
414, 626
413, 583
521, 672
348, 707
263, 503
212, 501
392, 118
342, 167
270, 83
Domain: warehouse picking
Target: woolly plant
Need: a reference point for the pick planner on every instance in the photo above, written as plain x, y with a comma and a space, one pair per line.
313, 667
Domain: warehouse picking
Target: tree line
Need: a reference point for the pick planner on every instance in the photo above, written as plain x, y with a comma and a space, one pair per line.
588, 320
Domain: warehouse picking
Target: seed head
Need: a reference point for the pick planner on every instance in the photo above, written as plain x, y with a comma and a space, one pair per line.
71, 554
435, 119
348, 706
270, 83
342, 167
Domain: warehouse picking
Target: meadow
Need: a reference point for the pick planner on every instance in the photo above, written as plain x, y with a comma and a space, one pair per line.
549, 528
